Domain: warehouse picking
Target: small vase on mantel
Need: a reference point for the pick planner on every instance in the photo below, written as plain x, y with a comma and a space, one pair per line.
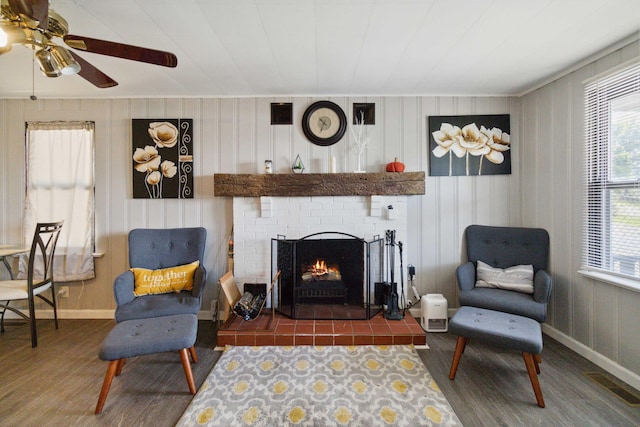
359, 165
298, 166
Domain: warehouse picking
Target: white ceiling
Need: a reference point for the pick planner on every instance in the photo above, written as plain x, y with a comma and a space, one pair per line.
331, 47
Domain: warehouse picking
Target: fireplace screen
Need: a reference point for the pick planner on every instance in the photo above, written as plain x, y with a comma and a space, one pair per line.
328, 276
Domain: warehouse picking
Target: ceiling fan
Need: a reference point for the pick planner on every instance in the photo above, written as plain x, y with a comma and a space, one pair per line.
33, 24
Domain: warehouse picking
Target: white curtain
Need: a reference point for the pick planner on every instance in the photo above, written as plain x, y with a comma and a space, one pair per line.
60, 186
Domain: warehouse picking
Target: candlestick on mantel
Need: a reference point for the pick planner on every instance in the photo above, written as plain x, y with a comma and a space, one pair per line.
332, 166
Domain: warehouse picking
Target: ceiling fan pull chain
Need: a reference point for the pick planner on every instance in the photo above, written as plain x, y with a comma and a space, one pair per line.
33, 96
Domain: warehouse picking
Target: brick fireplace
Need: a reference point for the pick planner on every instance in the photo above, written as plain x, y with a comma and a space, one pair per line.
281, 206
257, 220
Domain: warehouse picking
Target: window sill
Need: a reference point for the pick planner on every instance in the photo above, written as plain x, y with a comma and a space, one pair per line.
621, 282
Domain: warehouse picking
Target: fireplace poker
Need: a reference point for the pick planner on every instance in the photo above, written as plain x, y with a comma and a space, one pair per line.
403, 296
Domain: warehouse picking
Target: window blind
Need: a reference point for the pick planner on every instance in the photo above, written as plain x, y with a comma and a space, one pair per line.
612, 173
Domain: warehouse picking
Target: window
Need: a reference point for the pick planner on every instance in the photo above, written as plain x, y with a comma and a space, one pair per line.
60, 185
612, 211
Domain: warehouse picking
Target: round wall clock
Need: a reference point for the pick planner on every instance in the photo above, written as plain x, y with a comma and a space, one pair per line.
324, 123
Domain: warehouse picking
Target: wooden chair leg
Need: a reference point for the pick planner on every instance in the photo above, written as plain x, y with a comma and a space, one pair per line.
106, 385
120, 366
460, 345
531, 370
194, 356
184, 356
537, 359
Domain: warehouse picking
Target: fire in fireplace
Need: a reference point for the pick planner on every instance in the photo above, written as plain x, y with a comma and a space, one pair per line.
328, 276
320, 271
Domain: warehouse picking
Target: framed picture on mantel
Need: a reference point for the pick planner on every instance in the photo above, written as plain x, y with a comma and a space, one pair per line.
162, 158
469, 145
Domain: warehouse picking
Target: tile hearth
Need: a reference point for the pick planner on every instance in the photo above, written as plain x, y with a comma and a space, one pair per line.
286, 331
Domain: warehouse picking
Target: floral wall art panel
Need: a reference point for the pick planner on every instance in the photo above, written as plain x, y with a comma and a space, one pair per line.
469, 145
162, 158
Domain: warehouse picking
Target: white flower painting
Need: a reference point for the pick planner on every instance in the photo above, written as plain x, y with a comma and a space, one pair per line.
162, 158
469, 145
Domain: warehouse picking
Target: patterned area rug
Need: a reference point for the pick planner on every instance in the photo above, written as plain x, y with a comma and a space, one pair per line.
319, 386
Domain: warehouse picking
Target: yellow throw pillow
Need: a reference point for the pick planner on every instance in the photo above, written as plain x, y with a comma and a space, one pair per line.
174, 279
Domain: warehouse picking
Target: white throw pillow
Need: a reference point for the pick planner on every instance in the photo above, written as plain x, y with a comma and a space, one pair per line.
518, 278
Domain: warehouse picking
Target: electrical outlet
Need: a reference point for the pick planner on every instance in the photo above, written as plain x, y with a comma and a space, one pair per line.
63, 292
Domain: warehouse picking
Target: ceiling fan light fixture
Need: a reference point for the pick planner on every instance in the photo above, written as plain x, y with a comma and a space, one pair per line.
66, 63
48, 64
10, 35
4, 39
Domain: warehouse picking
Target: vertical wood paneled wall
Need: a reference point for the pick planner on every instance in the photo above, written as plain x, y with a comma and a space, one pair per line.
234, 135
599, 316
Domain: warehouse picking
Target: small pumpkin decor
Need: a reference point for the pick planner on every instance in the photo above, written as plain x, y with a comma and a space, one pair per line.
395, 166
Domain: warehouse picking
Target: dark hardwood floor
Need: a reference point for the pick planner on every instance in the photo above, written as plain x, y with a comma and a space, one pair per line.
57, 384
492, 388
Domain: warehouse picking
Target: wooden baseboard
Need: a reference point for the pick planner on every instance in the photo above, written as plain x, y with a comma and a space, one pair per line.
602, 361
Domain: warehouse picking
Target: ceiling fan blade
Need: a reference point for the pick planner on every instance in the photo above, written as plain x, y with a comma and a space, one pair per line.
119, 50
92, 74
36, 10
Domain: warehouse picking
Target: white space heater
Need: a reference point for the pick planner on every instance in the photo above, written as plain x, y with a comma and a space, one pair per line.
434, 313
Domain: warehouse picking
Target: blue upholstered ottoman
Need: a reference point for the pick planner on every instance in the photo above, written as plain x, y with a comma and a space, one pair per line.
506, 330
139, 337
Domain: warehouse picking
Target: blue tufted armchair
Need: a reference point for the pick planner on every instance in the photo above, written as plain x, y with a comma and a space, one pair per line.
155, 249
504, 247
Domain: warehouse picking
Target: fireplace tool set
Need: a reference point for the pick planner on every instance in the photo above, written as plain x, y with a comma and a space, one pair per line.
393, 308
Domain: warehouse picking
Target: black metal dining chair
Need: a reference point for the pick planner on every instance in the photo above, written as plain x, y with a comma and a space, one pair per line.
39, 278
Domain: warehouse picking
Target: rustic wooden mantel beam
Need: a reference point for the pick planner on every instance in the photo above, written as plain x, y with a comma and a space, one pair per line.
319, 184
